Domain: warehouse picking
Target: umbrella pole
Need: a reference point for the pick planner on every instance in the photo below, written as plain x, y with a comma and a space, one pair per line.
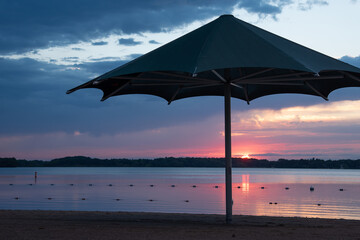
228, 181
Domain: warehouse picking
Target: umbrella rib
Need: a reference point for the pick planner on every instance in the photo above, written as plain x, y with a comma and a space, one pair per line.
206, 85
79, 87
260, 80
351, 76
310, 78
157, 79
184, 77
116, 91
275, 83
245, 91
315, 90
174, 95
253, 74
271, 77
164, 84
236, 85
246, 94
219, 76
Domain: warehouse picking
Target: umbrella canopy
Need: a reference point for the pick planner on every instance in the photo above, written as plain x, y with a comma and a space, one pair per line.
256, 63
231, 58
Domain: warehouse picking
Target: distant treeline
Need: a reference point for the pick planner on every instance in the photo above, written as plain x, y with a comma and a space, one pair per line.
80, 161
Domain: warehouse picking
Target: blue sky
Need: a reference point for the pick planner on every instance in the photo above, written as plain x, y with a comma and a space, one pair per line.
48, 47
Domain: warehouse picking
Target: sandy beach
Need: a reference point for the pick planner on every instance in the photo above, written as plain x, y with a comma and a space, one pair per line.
36, 224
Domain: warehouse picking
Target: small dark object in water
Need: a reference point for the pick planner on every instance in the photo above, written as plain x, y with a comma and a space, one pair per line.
341, 189
83, 198
49, 198
312, 188
186, 200
319, 204
270, 202
71, 184
150, 200
172, 185
16, 198
30, 184
262, 187
110, 185
287, 188
90, 184
275, 202
118, 199
238, 187
216, 186
52, 184
131, 185
151, 185
194, 186
11, 184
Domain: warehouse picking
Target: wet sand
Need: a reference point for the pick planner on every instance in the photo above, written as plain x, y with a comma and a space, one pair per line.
30, 224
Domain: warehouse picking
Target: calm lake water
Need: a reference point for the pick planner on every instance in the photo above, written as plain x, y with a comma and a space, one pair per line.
270, 192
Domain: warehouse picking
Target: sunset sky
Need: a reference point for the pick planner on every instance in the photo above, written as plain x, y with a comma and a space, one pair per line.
48, 47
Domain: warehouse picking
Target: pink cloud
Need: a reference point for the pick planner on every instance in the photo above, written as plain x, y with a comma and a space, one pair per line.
330, 130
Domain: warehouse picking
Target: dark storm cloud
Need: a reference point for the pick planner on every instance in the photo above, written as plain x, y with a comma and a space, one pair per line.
78, 49
272, 8
100, 43
129, 42
35, 91
262, 6
33, 101
154, 42
27, 25
70, 59
351, 60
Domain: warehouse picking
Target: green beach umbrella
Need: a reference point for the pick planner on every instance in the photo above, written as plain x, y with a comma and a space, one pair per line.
231, 58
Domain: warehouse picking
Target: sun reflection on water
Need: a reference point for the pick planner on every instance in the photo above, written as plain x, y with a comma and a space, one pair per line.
245, 185
273, 192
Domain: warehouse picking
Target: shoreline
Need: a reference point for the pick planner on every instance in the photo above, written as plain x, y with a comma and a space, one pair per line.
45, 224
